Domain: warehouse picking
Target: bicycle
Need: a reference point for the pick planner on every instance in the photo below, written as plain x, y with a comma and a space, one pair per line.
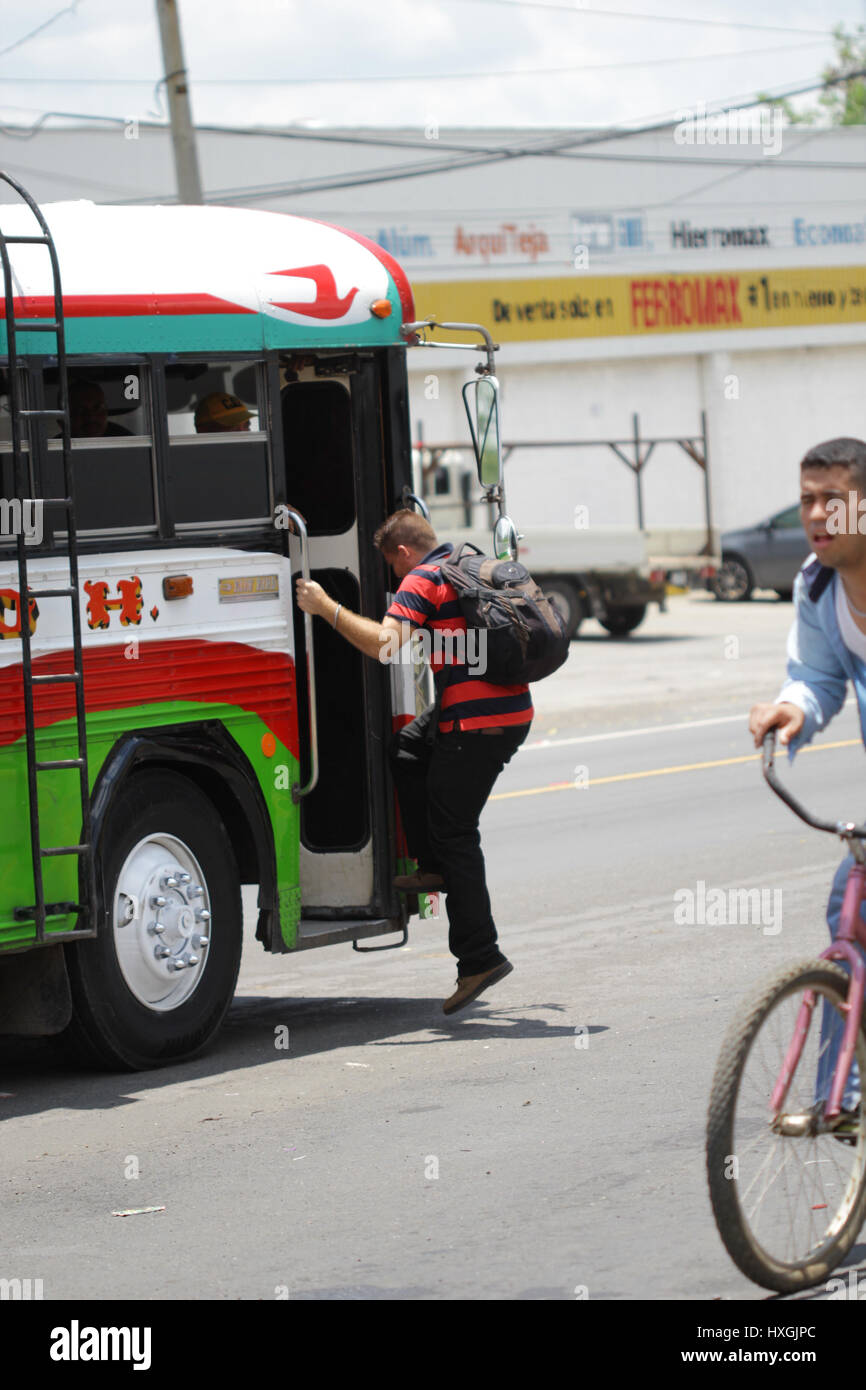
786, 1137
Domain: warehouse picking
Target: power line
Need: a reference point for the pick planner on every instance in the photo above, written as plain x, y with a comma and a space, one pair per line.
380, 78
29, 131
536, 148
735, 173
68, 9
81, 185
581, 10
465, 157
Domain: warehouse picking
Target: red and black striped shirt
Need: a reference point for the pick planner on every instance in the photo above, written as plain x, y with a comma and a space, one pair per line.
425, 599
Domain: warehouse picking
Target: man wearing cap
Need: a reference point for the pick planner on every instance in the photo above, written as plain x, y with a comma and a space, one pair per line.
220, 412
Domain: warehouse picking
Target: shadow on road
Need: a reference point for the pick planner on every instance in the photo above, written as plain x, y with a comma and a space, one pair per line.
40, 1077
639, 639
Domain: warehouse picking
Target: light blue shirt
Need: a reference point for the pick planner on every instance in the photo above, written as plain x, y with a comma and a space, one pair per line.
819, 663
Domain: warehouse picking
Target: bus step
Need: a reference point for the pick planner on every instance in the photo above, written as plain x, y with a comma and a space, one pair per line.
56, 680
320, 933
64, 849
59, 762
36, 325
50, 593
389, 945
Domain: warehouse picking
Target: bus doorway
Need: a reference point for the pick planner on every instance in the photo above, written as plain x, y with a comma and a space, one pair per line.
334, 478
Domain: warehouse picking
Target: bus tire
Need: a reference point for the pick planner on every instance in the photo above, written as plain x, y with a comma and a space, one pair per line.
142, 997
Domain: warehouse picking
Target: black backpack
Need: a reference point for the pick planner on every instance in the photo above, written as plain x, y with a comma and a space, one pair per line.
525, 635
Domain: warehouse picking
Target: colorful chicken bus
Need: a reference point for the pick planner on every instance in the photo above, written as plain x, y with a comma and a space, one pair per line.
213, 403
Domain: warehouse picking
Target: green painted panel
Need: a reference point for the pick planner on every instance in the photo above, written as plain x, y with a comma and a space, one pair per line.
60, 812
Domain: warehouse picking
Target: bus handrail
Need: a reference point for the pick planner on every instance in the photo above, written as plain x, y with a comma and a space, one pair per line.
416, 335
297, 790
411, 499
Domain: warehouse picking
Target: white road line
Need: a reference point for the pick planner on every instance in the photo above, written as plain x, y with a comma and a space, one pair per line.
651, 729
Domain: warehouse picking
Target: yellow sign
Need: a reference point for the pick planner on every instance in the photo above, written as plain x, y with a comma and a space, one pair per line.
605, 306
245, 588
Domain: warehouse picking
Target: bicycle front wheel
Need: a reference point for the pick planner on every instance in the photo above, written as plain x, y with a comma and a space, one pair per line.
788, 1194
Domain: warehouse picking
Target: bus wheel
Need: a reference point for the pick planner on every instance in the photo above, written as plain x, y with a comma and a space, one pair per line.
154, 986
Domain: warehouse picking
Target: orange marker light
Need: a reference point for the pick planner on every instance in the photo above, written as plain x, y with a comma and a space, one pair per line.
269, 745
177, 586
381, 308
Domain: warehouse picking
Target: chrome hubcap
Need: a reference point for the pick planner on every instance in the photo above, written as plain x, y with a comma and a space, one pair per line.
732, 579
161, 922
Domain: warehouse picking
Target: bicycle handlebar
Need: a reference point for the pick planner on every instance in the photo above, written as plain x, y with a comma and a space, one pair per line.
847, 829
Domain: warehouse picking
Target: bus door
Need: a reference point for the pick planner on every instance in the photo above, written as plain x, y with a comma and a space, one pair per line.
332, 443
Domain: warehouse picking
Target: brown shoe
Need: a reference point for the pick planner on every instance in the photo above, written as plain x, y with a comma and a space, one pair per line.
470, 986
419, 882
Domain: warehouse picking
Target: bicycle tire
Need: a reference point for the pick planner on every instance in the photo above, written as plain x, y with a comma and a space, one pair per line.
735, 1225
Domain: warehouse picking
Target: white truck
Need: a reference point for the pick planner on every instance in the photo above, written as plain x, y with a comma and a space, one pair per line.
602, 572
611, 573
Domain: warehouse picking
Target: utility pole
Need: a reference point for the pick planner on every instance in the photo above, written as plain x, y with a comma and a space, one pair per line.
180, 115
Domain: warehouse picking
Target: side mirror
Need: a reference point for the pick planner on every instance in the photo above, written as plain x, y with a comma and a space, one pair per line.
505, 539
483, 416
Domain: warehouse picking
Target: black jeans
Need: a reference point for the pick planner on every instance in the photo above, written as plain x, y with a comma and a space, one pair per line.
443, 782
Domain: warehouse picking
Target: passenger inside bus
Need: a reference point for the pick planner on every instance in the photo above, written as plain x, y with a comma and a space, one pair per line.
88, 412
220, 412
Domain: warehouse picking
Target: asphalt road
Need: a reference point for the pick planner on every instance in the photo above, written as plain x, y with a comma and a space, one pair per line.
382, 1155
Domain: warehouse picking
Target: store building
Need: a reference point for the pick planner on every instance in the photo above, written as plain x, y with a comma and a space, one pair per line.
707, 279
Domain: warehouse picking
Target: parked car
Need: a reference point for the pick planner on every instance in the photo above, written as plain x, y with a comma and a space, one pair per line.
766, 556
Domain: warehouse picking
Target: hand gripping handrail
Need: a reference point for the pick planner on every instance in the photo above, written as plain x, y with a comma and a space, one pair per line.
297, 790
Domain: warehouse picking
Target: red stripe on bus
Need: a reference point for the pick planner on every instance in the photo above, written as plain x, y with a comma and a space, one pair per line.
394, 269
230, 673
327, 303
122, 306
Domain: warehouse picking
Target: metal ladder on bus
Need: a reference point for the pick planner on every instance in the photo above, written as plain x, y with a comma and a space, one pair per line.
21, 420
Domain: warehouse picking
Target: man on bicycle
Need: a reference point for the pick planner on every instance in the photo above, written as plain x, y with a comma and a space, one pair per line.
827, 643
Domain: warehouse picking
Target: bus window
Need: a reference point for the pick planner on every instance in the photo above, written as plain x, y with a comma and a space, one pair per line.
317, 435
8, 490
112, 451
218, 457
7, 480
